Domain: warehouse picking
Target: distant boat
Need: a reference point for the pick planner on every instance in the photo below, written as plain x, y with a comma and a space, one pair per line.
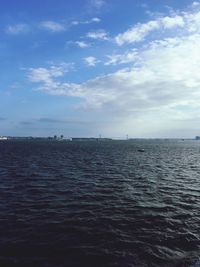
141, 150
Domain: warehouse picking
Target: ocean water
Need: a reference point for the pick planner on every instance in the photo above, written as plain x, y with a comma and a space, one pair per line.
100, 204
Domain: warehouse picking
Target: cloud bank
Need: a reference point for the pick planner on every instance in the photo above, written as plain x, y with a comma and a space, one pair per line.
160, 81
17, 28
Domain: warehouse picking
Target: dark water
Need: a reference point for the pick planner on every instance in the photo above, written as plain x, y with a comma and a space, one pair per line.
100, 204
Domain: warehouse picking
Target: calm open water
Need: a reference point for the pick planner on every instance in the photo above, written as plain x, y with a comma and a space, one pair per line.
100, 204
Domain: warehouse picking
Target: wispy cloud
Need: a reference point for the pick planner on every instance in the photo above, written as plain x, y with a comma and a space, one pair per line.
50, 120
139, 31
43, 74
52, 26
46, 76
95, 19
82, 44
75, 22
178, 23
127, 57
17, 28
196, 4
91, 61
49, 25
92, 20
96, 4
143, 5
162, 80
63, 121
98, 35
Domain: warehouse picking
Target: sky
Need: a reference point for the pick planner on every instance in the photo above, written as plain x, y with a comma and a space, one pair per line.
85, 68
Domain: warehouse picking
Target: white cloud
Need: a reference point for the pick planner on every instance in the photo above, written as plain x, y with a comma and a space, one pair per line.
99, 35
127, 57
136, 33
91, 61
92, 20
166, 75
139, 31
46, 76
95, 20
159, 90
17, 28
195, 4
171, 22
75, 22
82, 44
162, 87
52, 26
193, 22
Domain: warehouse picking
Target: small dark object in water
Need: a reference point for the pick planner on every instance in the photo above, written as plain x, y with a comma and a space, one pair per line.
141, 150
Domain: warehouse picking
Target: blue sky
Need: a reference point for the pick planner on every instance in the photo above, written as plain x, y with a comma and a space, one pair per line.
109, 67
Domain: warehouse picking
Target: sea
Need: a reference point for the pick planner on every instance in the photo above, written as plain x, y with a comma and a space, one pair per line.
131, 203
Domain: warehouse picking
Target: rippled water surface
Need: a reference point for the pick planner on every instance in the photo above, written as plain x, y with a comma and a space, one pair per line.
100, 204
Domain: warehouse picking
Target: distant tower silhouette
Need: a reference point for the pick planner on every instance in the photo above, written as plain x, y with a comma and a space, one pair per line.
127, 137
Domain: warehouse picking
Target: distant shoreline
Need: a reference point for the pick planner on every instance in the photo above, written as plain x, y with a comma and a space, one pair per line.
84, 139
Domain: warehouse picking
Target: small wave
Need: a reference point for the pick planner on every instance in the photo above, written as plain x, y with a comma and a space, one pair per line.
196, 264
